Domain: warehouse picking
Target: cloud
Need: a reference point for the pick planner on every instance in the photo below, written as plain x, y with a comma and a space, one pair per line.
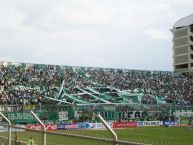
157, 34
183, 2
88, 32
6, 59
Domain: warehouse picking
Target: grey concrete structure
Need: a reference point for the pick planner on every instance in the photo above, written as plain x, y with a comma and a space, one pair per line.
183, 45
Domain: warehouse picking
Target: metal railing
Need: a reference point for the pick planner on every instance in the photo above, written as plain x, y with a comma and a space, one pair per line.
92, 140
44, 127
9, 128
108, 128
155, 107
83, 137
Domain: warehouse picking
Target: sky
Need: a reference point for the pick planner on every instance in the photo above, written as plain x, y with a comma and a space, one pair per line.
99, 33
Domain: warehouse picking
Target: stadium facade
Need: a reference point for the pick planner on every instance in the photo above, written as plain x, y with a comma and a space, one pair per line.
183, 45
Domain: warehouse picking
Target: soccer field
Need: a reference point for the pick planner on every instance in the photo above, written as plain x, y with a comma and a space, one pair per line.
148, 135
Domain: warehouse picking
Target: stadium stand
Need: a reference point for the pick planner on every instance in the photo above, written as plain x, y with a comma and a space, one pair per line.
23, 83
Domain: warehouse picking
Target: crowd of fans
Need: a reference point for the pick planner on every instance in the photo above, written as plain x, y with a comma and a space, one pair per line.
172, 87
21, 84
30, 83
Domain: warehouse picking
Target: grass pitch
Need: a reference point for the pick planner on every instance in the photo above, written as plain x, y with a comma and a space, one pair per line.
148, 135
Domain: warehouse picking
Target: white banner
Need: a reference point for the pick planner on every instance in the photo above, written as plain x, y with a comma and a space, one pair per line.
100, 125
5, 129
63, 115
148, 123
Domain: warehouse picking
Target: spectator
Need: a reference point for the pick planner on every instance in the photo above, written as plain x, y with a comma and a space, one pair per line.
30, 141
16, 138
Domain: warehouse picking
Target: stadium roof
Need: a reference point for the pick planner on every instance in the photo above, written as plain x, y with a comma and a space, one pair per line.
185, 21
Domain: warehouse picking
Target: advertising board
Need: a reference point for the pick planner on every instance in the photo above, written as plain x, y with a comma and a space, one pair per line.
124, 124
